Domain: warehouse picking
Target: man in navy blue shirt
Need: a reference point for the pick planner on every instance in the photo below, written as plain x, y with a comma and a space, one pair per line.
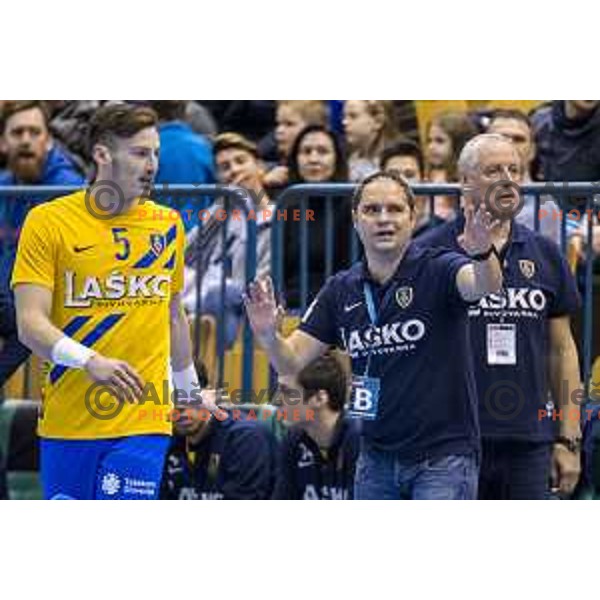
521, 338
317, 459
219, 457
401, 316
33, 159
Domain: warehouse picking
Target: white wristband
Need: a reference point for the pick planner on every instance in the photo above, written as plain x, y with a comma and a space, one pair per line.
186, 381
69, 353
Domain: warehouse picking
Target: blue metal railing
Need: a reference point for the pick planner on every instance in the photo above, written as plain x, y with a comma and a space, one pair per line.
540, 192
331, 192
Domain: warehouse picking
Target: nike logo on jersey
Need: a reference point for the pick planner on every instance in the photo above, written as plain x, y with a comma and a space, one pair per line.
78, 249
351, 307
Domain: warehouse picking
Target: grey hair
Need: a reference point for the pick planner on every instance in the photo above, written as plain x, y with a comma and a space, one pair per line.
471, 152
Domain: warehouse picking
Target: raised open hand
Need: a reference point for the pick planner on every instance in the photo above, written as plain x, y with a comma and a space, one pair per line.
262, 309
479, 227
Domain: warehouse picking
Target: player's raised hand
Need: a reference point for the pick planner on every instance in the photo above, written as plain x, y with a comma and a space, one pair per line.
262, 309
479, 227
118, 374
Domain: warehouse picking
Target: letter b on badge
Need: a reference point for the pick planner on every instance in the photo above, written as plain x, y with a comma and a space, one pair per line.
364, 398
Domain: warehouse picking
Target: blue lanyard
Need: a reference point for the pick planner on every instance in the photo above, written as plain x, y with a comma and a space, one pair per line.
373, 316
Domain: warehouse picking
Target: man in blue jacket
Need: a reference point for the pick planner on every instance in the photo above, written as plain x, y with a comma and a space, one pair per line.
33, 159
185, 158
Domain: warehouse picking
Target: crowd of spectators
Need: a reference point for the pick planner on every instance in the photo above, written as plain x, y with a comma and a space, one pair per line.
267, 146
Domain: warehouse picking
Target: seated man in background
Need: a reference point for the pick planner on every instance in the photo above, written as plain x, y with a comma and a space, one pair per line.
237, 163
217, 458
317, 459
405, 157
32, 159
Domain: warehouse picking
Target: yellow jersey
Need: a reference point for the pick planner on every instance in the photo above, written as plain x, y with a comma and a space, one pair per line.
112, 281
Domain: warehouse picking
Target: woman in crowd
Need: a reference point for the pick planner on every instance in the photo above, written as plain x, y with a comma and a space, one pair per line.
292, 117
447, 133
369, 126
316, 157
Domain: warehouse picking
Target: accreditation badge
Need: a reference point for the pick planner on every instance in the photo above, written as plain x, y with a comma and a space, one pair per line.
364, 398
501, 344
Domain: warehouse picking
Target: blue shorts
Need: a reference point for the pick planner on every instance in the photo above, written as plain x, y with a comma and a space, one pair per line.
128, 468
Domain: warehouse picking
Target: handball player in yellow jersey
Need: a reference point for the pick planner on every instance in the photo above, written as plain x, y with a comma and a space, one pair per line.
97, 283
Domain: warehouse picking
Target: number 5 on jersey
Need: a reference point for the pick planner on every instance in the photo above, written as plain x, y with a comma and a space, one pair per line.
119, 237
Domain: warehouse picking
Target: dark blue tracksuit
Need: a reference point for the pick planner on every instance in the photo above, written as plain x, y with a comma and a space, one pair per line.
234, 461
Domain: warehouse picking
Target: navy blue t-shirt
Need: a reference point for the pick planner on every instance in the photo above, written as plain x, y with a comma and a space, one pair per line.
307, 472
538, 286
234, 461
420, 351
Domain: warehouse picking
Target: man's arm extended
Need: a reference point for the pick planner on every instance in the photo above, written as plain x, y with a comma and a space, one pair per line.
480, 278
36, 331
564, 367
287, 355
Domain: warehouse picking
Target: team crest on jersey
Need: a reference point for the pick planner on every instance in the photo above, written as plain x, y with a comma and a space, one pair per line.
157, 243
527, 268
404, 296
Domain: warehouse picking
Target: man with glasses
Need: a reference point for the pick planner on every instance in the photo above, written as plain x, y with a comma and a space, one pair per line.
521, 338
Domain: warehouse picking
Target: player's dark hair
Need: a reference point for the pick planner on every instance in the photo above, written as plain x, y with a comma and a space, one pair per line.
403, 147
510, 113
12, 107
393, 176
119, 120
326, 373
169, 110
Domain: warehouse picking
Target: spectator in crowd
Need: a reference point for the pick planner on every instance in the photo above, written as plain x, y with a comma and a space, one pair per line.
237, 163
199, 118
406, 158
317, 156
251, 118
567, 136
219, 456
185, 157
69, 123
515, 125
521, 339
291, 118
317, 459
369, 125
33, 159
447, 133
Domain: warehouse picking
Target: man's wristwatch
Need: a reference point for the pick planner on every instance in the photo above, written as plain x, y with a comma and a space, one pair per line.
571, 444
